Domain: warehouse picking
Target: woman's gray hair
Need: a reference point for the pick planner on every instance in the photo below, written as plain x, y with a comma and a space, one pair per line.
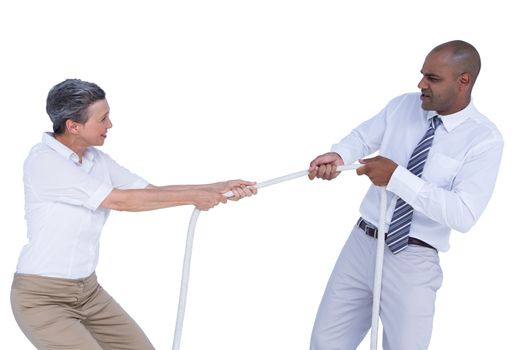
70, 100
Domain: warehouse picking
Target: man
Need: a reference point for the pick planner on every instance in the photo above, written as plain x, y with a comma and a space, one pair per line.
439, 159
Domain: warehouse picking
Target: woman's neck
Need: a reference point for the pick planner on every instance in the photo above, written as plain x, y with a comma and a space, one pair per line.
72, 142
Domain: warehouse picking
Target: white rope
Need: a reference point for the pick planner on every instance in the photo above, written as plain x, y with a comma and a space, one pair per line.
185, 279
378, 270
189, 246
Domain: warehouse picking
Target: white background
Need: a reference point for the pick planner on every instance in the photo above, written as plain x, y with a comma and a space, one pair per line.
203, 91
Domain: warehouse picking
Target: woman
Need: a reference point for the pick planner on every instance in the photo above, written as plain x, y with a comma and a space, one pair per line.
70, 188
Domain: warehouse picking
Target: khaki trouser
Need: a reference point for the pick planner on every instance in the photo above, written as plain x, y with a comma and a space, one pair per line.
57, 313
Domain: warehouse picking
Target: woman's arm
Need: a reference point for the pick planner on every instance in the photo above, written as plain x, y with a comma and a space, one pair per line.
223, 187
204, 197
153, 198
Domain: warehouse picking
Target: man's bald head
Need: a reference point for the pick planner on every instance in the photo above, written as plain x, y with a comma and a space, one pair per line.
464, 57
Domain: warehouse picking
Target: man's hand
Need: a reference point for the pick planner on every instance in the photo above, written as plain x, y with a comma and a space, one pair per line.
378, 169
325, 166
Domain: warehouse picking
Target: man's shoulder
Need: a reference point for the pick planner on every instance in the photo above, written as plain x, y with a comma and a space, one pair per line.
410, 98
489, 133
407, 105
485, 126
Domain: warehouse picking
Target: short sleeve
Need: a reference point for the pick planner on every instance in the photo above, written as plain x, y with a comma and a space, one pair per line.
51, 177
121, 177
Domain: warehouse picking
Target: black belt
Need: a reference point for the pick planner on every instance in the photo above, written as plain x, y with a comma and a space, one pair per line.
371, 231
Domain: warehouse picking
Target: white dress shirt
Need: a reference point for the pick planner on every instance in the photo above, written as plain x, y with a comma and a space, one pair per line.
62, 198
459, 175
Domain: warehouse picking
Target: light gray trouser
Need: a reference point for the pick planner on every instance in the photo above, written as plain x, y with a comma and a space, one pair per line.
410, 282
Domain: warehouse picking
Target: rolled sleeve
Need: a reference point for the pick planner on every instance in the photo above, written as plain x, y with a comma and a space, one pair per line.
98, 196
139, 184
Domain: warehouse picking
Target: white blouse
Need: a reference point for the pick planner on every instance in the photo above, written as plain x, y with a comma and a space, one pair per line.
62, 199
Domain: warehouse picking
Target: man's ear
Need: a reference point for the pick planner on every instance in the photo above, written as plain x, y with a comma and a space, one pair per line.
465, 78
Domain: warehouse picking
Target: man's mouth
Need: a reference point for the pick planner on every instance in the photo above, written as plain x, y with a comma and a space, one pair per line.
424, 96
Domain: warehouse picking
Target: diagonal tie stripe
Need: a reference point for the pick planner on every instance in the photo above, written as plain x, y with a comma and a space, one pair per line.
397, 237
421, 153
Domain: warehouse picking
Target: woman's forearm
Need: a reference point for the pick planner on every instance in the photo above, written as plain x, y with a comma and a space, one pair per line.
177, 187
150, 198
216, 186
153, 197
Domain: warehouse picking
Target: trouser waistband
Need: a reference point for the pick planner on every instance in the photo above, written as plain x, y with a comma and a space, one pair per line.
372, 231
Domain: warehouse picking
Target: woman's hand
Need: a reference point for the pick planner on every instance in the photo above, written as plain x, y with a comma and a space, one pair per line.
239, 188
205, 199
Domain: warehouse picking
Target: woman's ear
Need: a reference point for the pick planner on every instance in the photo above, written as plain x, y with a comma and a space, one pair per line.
72, 126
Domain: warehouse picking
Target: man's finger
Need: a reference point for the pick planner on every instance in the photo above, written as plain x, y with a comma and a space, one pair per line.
362, 170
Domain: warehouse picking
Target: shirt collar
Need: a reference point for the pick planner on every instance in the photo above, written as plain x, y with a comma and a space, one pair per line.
49, 140
452, 121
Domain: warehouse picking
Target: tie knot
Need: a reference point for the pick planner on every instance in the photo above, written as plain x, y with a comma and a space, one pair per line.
435, 121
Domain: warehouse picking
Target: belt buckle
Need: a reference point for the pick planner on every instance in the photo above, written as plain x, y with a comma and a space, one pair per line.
371, 231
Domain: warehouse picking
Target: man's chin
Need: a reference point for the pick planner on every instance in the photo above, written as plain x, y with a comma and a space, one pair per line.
426, 107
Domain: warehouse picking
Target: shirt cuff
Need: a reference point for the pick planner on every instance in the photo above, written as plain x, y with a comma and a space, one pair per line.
343, 153
405, 184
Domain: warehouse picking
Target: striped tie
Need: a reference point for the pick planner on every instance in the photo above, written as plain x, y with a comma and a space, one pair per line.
397, 237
